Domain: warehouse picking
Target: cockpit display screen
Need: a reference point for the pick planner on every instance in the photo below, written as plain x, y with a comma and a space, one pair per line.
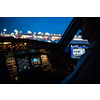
77, 50
35, 61
23, 64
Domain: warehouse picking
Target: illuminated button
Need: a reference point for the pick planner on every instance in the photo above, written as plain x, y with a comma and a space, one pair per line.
16, 78
25, 43
15, 66
12, 76
20, 70
25, 67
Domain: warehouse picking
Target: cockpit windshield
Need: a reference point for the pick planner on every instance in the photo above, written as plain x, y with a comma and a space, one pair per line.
49, 29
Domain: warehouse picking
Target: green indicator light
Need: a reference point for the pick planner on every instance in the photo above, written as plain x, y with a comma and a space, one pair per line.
20, 70
18, 58
7, 55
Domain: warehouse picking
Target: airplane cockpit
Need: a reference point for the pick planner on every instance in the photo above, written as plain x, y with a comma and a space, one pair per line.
27, 61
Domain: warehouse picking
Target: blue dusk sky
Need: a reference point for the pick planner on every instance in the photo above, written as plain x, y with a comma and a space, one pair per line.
55, 25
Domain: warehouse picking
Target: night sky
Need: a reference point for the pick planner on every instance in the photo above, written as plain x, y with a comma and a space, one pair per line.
55, 25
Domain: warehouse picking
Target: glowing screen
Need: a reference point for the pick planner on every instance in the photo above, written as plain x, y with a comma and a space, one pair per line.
35, 60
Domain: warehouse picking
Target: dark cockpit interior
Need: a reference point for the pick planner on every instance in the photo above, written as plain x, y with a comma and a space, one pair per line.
25, 61
21, 59
40, 45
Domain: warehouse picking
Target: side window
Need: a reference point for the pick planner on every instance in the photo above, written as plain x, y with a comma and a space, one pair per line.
77, 46
78, 39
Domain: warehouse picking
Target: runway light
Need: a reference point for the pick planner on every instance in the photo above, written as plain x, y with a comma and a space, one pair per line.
29, 32
20, 31
4, 30
15, 31
39, 32
49, 41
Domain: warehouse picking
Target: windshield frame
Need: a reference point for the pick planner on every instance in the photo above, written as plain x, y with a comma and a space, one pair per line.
70, 32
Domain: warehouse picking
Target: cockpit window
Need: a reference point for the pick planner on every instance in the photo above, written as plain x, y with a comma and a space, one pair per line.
49, 29
78, 39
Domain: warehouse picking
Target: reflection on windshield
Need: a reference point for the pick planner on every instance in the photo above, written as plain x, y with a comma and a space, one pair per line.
49, 29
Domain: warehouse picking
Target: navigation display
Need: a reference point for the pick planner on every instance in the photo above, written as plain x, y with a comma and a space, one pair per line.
35, 61
23, 64
77, 50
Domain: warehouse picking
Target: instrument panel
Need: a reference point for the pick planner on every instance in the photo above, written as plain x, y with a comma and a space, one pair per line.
17, 57
18, 63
